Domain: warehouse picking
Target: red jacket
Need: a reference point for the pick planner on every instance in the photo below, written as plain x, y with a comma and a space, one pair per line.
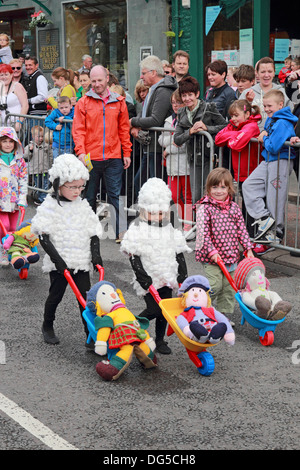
283, 74
101, 129
237, 139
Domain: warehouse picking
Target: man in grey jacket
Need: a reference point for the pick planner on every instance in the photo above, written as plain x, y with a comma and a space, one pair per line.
157, 107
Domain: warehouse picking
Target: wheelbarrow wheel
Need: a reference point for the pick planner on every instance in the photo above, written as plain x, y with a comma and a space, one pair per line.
208, 363
23, 273
268, 338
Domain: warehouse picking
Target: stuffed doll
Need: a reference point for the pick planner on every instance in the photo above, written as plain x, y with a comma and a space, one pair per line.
19, 246
118, 328
199, 321
254, 289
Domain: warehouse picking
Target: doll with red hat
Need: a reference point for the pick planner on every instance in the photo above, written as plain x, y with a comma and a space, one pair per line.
255, 290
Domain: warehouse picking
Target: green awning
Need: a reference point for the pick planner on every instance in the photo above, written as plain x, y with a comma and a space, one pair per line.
35, 1
229, 7
43, 6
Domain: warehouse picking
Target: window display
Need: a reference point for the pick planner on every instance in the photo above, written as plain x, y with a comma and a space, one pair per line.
93, 28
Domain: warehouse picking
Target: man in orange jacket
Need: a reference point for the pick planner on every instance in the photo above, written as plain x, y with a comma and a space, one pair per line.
101, 128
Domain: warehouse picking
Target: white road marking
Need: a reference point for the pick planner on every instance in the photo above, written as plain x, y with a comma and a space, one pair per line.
33, 426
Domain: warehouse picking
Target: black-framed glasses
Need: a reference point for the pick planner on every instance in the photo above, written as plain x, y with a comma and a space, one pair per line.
74, 188
16, 68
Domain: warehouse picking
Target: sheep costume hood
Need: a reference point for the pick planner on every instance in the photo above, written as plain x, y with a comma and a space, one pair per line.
155, 196
157, 246
67, 168
69, 224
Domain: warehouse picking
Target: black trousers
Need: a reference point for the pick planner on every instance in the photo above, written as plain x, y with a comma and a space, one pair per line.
58, 285
153, 310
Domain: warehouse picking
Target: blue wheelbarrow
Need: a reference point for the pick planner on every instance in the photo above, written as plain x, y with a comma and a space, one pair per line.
266, 328
87, 314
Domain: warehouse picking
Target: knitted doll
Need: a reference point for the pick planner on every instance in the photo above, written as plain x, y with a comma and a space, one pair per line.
255, 293
199, 321
118, 329
19, 246
156, 253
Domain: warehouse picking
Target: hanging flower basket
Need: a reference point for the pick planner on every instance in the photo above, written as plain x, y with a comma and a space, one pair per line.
39, 20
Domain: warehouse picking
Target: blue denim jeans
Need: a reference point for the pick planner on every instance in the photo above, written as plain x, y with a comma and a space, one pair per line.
151, 166
41, 180
111, 170
56, 151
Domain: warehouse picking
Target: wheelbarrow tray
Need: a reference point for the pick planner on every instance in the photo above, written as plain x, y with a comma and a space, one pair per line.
171, 308
260, 323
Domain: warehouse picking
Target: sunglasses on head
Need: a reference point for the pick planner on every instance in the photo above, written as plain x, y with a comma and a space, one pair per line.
16, 68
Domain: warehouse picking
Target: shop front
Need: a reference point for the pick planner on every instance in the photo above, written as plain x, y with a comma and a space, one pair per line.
239, 32
15, 23
97, 28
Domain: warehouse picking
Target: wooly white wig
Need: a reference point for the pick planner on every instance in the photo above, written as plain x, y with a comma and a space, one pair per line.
155, 196
67, 167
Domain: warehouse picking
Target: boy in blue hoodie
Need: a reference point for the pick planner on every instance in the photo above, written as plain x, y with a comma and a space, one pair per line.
265, 190
62, 131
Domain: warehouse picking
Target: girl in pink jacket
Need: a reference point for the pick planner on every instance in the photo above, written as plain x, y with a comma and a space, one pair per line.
220, 228
245, 155
237, 134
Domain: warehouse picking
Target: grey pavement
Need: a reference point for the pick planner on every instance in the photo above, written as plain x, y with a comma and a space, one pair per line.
250, 402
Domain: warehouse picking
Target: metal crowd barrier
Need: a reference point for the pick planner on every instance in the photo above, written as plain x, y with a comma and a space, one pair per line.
185, 190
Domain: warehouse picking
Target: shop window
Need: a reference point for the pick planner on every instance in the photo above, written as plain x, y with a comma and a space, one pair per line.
97, 28
15, 24
229, 39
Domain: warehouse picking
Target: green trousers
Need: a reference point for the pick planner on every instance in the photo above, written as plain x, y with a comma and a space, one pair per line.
223, 294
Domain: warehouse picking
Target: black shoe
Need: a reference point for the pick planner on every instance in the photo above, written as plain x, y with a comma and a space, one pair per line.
90, 346
162, 347
49, 335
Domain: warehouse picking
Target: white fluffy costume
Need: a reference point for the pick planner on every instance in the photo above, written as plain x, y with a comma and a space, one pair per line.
69, 231
76, 218
156, 244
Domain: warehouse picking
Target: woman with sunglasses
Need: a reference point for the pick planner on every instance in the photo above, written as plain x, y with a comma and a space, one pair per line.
13, 98
17, 68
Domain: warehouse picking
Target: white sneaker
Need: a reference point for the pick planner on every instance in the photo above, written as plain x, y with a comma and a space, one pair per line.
270, 237
263, 226
3, 257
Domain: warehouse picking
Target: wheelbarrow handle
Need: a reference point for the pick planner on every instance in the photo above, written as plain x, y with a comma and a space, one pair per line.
75, 289
226, 274
101, 272
22, 210
154, 294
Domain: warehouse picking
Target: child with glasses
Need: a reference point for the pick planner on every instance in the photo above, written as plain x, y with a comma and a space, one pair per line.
69, 232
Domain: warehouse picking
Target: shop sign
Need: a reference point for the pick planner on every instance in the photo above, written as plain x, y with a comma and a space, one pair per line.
49, 54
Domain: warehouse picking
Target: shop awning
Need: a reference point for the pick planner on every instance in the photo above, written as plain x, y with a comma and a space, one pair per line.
34, 1
229, 7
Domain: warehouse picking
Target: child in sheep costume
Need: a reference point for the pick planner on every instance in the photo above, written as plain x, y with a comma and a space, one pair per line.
69, 231
156, 253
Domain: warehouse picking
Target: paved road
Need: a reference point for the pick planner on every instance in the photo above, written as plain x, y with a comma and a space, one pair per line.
51, 396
